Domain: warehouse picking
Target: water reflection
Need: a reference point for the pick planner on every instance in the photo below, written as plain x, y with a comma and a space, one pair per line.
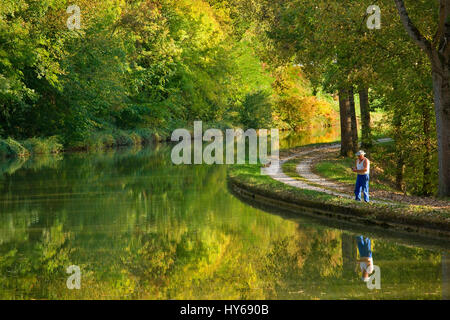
290, 139
445, 258
140, 227
365, 260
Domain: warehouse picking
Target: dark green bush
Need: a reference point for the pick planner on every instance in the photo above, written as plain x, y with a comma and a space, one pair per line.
146, 135
122, 138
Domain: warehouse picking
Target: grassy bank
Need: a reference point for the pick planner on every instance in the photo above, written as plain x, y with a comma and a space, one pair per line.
10, 148
117, 138
246, 179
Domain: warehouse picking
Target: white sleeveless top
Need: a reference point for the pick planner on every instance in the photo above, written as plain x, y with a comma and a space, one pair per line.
360, 165
363, 266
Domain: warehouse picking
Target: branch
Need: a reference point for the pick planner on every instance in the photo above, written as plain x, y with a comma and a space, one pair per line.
441, 26
412, 30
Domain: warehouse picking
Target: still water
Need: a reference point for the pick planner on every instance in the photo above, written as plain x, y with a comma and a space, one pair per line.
141, 228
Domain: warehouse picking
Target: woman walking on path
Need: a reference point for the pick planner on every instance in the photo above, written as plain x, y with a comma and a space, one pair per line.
362, 180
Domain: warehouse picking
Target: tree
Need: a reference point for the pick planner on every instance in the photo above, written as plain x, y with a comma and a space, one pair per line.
366, 139
347, 136
438, 52
323, 37
354, 124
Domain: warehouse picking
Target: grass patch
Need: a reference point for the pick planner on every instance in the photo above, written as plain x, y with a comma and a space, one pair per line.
338, 170
290, 169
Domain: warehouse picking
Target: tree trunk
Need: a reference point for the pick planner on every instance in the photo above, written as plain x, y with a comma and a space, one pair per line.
400, 156
346, 127
438, 51
354, 124
427, 179
441, 86
400, 172
366, 139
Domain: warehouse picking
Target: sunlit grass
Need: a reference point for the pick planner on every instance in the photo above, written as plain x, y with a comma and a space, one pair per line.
339, 170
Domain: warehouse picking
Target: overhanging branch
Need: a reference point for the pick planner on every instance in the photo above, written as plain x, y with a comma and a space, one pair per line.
442, 18
412, 30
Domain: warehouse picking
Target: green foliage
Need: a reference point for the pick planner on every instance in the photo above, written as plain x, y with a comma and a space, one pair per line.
43, 145
100, 140
146, 135
11, 148
122, 138
144, 64
256, 110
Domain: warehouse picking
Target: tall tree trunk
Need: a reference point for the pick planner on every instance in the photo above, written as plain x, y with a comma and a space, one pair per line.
438, 51
441, 87
400, 156
366, 139
346, 127
427, 179
400, 172
354, 124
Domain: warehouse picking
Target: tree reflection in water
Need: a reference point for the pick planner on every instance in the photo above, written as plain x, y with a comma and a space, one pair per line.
140, 227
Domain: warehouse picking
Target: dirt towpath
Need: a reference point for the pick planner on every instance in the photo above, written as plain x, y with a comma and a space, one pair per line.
312, 181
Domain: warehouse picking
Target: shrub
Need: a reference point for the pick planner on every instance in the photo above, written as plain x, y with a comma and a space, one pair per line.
43, 145
100, 140
146, 135
122, 138
107, 140
137, 139
11, 148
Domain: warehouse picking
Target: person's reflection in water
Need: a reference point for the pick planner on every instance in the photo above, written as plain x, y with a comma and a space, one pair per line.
365, 261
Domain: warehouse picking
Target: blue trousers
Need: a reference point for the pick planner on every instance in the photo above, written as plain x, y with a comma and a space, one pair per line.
364, 247
362, 182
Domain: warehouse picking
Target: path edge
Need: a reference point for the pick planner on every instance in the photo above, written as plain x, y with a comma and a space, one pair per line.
369, 216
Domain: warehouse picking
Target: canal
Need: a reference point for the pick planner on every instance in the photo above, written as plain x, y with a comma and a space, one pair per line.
139, 227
